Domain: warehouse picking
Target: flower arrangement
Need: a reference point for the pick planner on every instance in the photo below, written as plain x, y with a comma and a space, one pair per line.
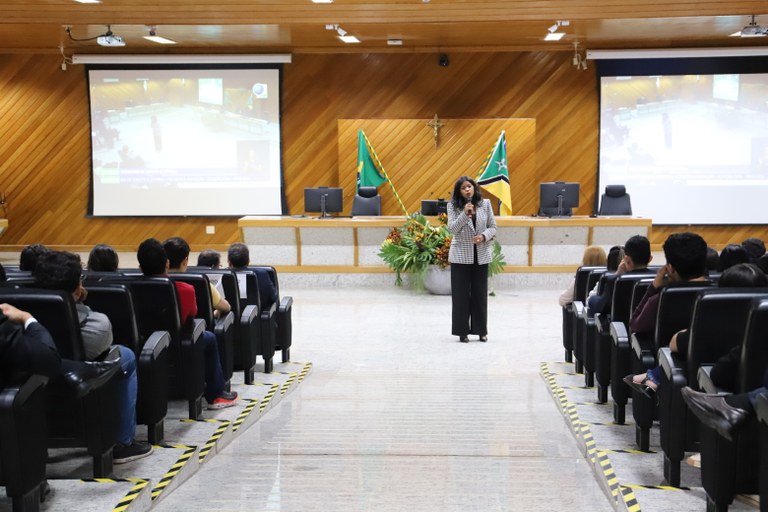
417, 245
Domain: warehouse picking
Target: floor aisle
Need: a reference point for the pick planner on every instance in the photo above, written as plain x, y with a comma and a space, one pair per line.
397, 415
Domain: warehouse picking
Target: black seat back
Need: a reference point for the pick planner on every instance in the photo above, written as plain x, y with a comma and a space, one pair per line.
754, 352
621, 300
675, 309
116, 301
719, 323
581, 284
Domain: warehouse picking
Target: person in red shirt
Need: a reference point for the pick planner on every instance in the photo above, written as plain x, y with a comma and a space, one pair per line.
153, 261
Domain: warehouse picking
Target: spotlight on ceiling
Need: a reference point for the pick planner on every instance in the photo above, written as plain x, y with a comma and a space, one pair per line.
152, 36
343, 35
552, 32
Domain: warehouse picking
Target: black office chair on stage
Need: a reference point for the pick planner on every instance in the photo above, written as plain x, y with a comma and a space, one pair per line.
615, 201
367, 201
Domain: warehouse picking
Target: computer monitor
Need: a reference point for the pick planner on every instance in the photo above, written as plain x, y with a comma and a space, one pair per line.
324, 200
557, 199
434, 206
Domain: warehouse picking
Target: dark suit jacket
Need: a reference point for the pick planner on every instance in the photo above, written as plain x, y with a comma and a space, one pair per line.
29, 350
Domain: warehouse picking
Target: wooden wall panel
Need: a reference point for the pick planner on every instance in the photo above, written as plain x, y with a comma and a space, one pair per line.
44, 135
419, 170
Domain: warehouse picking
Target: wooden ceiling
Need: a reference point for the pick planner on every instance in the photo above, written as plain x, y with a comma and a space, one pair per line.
299, 26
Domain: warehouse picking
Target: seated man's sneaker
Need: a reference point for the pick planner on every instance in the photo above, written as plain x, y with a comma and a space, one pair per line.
226, 399
123, 453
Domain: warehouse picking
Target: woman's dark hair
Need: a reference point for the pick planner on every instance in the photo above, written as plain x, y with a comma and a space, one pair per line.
713, 260
103, 258
615, 255
458, 200
743, 275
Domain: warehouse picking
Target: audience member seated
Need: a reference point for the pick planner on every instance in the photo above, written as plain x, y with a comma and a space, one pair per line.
732, 254
725, 371
723, 413
177, 250
29, 256
238, 258
686, 255
594, 256
153, 261
209, 258
58, 270
637, 255
713, 260
103, 258
755, 248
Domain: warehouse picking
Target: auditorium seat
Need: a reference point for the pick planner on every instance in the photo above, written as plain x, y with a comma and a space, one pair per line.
116, 301
89, 420
731, 467
284, 311
718, 323
246, 320
23, 442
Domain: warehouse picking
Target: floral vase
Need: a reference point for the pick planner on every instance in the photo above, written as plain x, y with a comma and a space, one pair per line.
437, 281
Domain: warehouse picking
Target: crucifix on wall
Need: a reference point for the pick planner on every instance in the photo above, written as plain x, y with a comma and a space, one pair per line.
435, 124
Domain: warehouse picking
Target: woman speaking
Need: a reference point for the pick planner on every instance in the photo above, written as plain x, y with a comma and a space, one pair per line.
471, 221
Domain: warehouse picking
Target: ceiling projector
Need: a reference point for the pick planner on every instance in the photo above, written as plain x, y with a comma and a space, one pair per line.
110, 39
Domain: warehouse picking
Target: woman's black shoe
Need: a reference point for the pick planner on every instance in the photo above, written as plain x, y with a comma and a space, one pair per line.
483, 338
464, 339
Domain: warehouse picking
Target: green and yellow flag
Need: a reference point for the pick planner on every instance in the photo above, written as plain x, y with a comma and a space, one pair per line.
495, 175
368, 174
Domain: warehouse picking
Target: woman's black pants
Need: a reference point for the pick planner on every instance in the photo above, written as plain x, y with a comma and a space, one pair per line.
469, 293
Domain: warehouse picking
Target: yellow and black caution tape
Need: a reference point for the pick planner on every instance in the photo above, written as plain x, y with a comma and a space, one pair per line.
291, 379
133, 493
158, 489
657, 487
124, 503
594, 455
208, 446
244, 414
265, 401
304, 371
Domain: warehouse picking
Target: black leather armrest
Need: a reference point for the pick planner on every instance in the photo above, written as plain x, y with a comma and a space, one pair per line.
286, 303
578, 309
18, 394
248, 315
705, 381
619, 333
225, 322
155, 344
670, 362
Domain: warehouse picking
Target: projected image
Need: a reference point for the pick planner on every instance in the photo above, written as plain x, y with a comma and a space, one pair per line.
185, 142
690, 149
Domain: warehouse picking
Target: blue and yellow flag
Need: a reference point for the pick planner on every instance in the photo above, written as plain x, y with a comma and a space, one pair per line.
495, 176
368, 174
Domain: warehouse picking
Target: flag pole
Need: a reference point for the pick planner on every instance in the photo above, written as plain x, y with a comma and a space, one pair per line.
378, 162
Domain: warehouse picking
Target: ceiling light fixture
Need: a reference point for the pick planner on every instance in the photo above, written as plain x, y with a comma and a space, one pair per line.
552, 32
394, 42
343, 35
152, 36
322, 1
88, 1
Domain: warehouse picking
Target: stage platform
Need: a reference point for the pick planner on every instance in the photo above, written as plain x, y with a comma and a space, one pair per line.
351, 245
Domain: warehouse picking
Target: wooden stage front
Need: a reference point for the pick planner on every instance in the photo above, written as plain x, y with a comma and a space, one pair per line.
349, 245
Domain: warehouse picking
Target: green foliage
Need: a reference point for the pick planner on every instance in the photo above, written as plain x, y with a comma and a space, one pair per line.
496, 266
415, 246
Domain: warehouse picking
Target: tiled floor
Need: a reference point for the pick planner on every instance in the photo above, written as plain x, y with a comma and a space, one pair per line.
397, 415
